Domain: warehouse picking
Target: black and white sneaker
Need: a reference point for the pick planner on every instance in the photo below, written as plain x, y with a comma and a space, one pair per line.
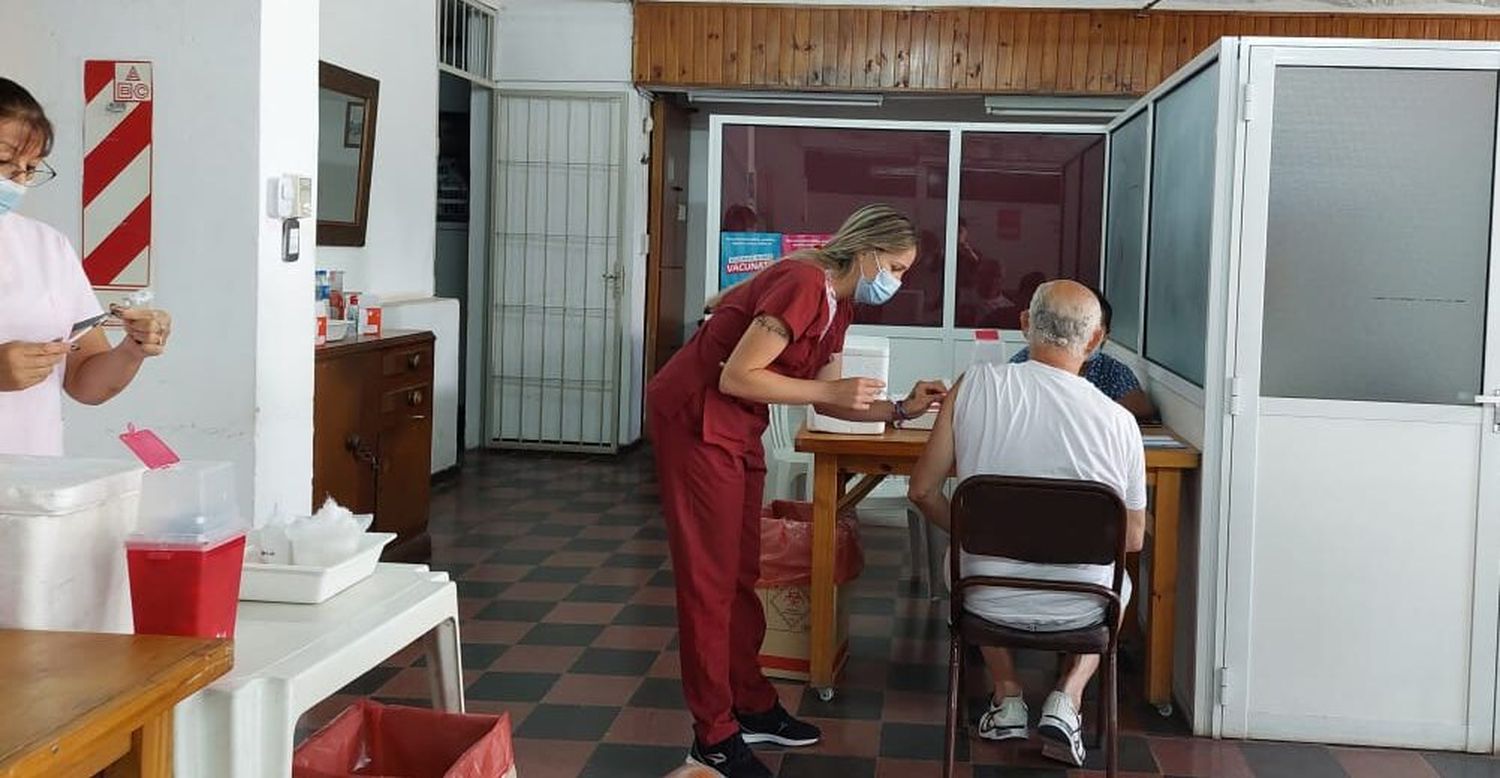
1005, 720
730, 758
777, 726
1061, 729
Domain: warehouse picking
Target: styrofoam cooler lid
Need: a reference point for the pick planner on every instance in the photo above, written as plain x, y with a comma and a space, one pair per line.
51, 486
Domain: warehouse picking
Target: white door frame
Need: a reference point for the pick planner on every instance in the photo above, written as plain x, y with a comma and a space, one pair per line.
1257, 80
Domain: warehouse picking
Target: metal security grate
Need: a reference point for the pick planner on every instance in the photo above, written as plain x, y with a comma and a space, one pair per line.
466, 39
555, 337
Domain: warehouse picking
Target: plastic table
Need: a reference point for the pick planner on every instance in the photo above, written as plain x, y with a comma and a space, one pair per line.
290, 657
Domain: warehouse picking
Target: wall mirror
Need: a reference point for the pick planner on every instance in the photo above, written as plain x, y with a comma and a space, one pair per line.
347, 103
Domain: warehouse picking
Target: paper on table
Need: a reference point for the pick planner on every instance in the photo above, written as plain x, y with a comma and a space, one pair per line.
1162, 441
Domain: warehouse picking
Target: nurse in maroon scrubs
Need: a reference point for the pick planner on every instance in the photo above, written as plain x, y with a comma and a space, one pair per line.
769, 341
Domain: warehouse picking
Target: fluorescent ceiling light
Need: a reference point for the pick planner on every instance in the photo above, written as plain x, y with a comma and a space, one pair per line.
1035, 107
788, 98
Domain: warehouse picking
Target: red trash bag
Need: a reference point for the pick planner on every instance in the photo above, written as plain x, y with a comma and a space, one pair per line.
786, 546
370, 739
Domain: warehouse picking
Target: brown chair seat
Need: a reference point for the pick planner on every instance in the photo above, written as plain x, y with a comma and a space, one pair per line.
982, 632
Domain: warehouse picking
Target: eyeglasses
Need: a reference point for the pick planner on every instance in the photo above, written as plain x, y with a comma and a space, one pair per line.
27, 177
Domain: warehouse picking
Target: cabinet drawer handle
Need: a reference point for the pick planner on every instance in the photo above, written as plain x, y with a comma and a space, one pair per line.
414, 361
362, 452
414, 398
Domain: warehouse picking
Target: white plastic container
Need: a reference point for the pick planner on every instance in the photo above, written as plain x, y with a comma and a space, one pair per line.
309, 584
863, 357
63, 524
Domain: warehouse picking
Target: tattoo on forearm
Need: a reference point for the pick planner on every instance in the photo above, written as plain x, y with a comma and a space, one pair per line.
771, 325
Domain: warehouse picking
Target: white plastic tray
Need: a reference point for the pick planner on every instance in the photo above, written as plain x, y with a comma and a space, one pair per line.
312, 585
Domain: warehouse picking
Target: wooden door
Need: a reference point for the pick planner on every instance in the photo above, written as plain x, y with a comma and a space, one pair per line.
666, 262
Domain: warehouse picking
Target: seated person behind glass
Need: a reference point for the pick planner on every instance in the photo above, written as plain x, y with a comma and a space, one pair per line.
1110, 375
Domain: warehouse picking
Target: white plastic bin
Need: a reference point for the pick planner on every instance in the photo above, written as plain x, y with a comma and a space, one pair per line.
863, 357
63, 524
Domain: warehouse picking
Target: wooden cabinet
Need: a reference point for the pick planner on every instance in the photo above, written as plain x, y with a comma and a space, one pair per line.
372, 435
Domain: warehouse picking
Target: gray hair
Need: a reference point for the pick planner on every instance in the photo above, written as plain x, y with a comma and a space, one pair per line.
1061, 322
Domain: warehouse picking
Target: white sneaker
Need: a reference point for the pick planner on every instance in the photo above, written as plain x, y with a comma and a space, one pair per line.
1061, 729
1005, 721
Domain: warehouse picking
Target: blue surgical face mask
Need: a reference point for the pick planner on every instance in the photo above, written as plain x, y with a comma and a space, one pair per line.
10, 195
878, 290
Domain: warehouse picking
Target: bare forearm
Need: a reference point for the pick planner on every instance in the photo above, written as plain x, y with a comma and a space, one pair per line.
935, 508
880, 410
104, 375
765, 386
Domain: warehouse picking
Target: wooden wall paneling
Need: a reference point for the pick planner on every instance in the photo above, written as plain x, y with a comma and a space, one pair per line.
915, 47
996, 46
813, 75
1065, 52
870, 62
730, 49
690, 57
933, 53
766, 56
890, 24
714, 74
670, 46
1187, 47
848, 39
1100, 48
899, 36
645, 62
836, 49
795, 72
976, 50
745, 62
866, 47
1087, 53
976, 31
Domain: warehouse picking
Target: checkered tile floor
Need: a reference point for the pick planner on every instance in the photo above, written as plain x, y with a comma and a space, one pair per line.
566, 597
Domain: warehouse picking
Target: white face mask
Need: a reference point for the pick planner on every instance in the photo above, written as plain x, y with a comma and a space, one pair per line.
10, 195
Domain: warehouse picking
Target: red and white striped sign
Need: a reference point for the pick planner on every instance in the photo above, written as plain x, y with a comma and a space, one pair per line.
117, 173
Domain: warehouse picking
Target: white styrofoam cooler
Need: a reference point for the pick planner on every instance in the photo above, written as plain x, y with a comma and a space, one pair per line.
863, 357
63, 524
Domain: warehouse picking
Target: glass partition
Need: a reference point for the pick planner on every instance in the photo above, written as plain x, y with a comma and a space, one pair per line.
1123, 245
1376, 291
1181, 225
1029, 211
782, 186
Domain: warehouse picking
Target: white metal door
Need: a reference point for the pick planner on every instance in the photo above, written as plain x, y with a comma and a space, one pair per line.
555, 337
1363, 570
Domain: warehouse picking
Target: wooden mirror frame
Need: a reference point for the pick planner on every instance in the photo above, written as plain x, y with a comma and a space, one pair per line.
347, 82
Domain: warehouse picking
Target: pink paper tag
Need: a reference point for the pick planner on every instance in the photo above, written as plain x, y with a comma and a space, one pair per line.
149, 448
987, 335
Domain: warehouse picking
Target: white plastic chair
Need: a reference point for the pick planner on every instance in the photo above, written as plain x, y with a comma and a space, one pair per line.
783, 462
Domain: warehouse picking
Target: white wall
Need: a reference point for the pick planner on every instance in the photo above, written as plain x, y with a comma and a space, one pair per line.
577, 44
481, 152
395, 43
236, 383
440, 317
585, 46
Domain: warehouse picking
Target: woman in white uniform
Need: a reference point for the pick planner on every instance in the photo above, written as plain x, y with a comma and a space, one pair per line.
43, 293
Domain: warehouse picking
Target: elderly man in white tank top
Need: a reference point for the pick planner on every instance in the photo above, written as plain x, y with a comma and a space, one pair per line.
1038, 419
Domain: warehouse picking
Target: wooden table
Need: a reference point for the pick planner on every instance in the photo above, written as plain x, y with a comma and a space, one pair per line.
77, 704
896, 453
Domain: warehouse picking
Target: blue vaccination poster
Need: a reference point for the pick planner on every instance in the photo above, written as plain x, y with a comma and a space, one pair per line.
743, 254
